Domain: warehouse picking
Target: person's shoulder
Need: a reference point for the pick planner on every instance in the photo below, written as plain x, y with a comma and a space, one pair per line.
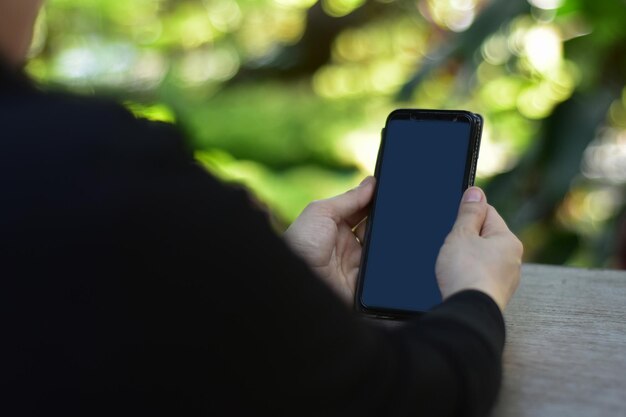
50, 106
93, 113
84, 122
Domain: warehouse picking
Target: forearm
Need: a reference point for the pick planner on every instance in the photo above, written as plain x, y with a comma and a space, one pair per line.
468, 329
448, 363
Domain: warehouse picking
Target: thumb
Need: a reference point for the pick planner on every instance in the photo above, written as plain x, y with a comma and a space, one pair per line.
352, 206
472, 212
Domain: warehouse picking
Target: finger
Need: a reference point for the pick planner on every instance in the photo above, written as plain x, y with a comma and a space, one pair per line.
352, 206
472, 212
494, 223
359, 230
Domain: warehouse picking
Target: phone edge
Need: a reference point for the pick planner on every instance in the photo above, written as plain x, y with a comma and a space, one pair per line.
468, 181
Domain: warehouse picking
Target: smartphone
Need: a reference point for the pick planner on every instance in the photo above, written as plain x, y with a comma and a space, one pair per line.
426, 160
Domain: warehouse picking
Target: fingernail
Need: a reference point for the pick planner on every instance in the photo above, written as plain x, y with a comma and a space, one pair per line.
472, 195
366, 180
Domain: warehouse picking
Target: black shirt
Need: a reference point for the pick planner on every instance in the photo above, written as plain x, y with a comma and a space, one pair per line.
135, 283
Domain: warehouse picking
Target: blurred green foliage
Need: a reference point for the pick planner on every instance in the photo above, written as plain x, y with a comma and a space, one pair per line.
289, 96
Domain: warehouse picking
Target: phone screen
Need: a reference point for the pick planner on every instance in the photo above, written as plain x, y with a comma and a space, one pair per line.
421, 178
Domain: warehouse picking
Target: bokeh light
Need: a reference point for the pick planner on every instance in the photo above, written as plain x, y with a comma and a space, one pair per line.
289, 96
454, 15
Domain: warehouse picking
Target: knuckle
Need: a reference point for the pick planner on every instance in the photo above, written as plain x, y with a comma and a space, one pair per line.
472, 209
312, 205
462, 229
351, 191
315, 206
319, 208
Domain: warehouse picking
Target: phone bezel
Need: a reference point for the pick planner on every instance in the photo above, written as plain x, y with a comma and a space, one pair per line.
476, 122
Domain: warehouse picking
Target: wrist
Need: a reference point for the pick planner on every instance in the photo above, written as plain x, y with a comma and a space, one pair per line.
492, 293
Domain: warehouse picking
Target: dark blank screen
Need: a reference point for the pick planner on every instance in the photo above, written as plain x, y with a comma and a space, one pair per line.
419, 189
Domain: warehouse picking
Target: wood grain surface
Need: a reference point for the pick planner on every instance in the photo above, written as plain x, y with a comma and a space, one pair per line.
566, 344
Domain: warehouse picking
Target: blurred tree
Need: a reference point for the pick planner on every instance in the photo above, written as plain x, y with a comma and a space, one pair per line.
288, 96
314, 49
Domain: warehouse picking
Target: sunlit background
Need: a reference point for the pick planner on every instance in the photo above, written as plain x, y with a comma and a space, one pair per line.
289, 96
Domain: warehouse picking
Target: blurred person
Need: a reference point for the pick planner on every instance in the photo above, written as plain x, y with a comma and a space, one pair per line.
135, 283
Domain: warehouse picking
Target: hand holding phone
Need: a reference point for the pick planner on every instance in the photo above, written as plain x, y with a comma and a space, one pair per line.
323, 236
480, 252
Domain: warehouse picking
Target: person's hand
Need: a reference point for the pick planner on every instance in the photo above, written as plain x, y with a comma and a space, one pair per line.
327, 236
480, 252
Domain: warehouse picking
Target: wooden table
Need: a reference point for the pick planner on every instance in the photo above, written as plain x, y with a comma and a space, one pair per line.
566, 345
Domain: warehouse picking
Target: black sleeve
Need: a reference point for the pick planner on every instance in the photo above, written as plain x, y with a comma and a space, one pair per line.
248, 315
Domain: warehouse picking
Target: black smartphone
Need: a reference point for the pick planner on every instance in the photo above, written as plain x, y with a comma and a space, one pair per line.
426, 160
